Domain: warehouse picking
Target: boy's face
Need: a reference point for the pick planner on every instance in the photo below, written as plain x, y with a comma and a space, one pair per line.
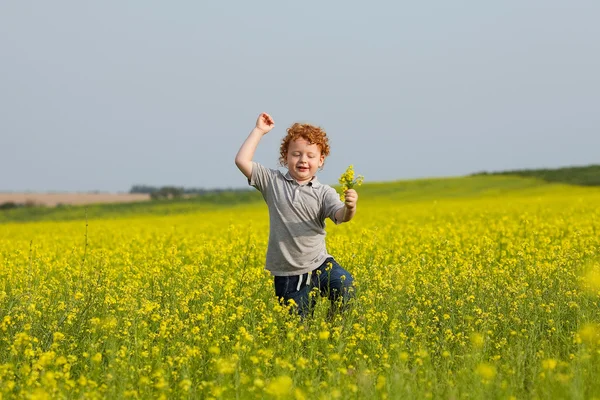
303, 160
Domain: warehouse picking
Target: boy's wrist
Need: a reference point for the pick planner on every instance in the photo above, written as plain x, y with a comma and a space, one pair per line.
258, 130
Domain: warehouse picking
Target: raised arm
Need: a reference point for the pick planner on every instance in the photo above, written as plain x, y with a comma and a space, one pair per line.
245, 154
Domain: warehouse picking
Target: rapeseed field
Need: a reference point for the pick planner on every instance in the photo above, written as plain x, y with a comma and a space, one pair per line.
470, 291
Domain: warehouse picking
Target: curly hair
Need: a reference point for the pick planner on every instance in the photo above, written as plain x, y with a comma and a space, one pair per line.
312, 134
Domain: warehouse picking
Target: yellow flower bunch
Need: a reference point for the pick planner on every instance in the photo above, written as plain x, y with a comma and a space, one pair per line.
348, 181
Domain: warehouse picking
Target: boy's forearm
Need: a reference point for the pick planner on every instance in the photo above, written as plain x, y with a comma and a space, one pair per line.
349, 213
346, 214
245, 154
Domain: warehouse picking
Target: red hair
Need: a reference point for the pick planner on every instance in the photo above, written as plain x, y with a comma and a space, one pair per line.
312, 134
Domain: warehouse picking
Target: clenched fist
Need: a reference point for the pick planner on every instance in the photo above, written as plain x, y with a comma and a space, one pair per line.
264, 123
350, 199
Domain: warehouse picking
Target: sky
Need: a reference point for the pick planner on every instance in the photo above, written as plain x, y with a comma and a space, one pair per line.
106, 95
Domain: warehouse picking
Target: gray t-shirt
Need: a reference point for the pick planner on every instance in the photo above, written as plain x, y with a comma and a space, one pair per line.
297, 216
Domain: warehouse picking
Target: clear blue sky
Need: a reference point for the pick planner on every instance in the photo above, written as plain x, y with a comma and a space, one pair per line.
104, 95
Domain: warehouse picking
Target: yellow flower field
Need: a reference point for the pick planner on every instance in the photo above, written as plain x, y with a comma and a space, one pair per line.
485, 296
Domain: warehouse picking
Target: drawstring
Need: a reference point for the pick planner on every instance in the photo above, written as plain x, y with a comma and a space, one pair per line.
308, 275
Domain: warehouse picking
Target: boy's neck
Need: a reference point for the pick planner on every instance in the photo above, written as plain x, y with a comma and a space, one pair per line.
304, 182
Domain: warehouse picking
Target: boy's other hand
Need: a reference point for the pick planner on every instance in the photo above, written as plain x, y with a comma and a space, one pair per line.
351, 197
264, 123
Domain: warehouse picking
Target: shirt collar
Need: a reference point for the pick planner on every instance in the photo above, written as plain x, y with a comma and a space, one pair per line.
314, 182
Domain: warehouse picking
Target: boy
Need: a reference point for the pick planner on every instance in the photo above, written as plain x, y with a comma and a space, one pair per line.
298, 206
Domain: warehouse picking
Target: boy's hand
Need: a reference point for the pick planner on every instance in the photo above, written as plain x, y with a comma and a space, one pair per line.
351, 197
264, 123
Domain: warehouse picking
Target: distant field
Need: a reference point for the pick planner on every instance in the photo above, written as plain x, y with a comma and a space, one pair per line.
483, 287
52, 199
401, 191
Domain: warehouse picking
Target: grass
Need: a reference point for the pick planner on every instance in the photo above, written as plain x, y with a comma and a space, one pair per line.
120, 210
414, 190
588, 175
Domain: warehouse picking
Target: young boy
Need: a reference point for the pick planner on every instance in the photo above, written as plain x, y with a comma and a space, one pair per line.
298, 206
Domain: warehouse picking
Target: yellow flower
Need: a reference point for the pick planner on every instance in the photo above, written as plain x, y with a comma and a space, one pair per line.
549, 364
225, 366
477, 339
348, 181
590, 334
591, 281
324, 335
486, 371
280, 387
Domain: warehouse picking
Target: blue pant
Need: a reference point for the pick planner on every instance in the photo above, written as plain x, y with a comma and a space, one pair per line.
332, 281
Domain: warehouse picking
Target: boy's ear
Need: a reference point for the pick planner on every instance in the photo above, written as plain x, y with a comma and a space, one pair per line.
321, 160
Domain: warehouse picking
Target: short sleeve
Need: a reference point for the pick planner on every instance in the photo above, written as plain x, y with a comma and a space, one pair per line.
261, 177
331, 204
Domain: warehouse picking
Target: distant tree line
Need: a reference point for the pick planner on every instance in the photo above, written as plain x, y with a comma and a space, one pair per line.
176, 192
588, 175
9, 205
